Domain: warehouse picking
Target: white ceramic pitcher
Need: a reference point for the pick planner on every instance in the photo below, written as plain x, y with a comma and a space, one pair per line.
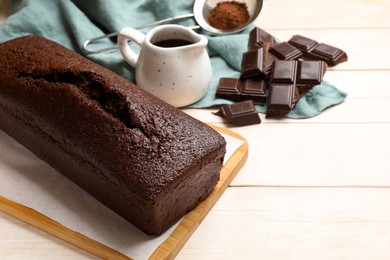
172, 63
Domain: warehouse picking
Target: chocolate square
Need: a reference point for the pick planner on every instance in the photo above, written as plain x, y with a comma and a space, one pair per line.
284, 71
303, 43
228, 88
259, 37
255, 90
285, 51
310, 72
280, 100
252, 65
331, 55
290, 80
241, 113
242, 89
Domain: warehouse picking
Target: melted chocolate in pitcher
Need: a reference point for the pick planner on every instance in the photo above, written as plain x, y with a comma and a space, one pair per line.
170, 43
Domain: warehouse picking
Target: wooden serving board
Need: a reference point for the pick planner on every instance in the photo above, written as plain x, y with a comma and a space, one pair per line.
166, 250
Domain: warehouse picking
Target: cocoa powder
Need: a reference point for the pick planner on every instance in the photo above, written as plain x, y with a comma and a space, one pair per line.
228, 15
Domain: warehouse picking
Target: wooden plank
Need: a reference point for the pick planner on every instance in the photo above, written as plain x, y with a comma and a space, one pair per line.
54, 228
277, 14
355, 110
317, 155
295, 223
364, 84
303, 14
19, 240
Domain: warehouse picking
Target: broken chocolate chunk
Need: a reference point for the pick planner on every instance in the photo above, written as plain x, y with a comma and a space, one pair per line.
280, 100
331, 55
258, 38
285, 51
302, 43
318, 51
290, 80
253, 64
237, 89
241, 113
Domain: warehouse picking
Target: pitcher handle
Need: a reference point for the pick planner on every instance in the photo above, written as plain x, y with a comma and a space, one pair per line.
130, 34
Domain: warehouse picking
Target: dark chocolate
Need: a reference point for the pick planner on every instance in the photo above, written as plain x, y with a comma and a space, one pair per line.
292, 68
302, 43
310, 72
318, 51
242, 89
258, 38
269, 59
284, 71
253, 64
285, 51
280, 100
290, 80
228, 88
255, 90
331, 55
170, 43
241, 114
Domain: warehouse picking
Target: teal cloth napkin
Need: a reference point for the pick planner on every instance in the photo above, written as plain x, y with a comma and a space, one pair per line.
72, 22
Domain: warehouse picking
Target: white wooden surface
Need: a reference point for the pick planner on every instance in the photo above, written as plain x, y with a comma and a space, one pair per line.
311, 189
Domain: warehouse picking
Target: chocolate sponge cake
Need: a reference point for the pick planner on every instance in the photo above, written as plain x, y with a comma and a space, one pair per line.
146, 160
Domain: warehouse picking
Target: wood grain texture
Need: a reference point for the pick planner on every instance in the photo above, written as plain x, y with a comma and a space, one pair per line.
295, 223
40, 221
322, 14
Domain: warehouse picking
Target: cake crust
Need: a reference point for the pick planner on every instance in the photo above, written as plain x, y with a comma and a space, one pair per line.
146, 160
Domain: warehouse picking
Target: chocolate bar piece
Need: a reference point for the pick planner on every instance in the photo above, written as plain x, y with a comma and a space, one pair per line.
290, 80
242, 89
269, 59
302, 43
228, 88
255, 90
331, 55
280, 100
299, 73
253, 64
310, 72
318, 51
241, 114
285, 51
284, 72
258, 38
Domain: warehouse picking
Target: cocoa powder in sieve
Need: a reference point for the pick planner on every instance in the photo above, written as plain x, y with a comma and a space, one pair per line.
228, 15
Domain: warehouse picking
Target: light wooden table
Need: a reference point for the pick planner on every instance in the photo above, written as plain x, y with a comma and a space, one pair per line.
311, 189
